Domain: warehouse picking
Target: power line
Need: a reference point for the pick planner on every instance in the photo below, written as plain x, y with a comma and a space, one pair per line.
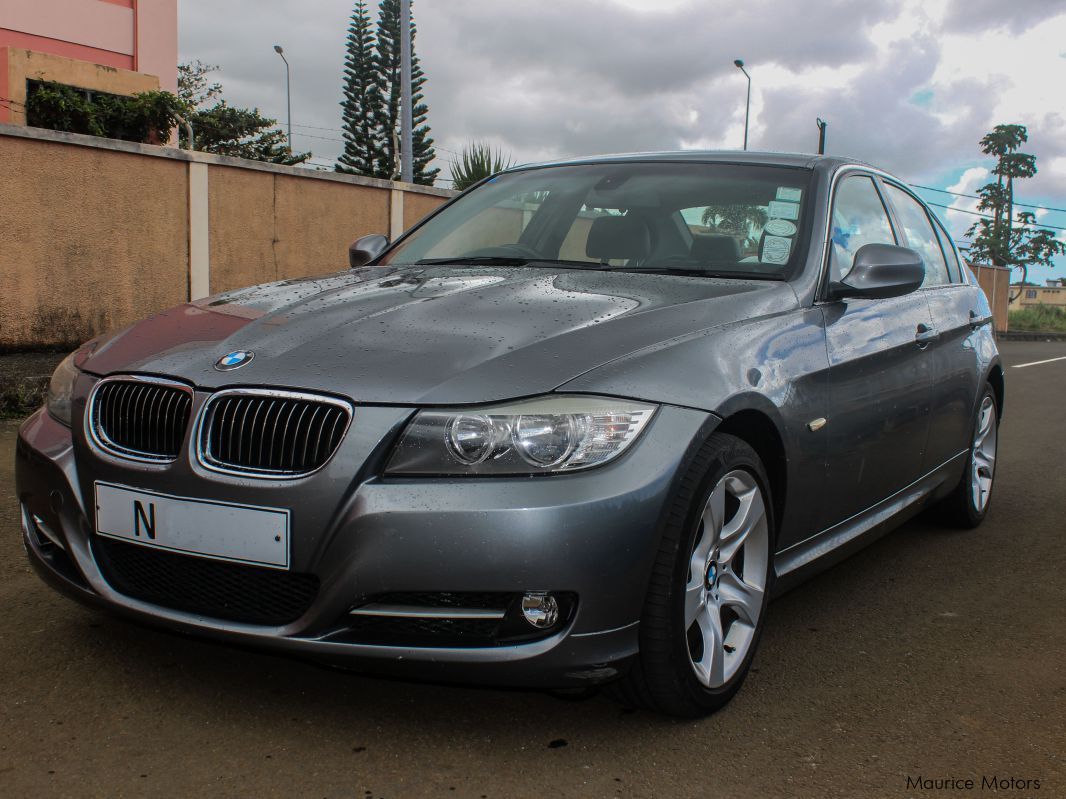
977, 197
989, 216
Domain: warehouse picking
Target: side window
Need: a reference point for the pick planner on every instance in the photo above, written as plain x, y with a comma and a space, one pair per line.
859, 217
920, 235
954, 267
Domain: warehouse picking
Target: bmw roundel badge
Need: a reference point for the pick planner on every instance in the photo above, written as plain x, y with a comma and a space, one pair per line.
234, 360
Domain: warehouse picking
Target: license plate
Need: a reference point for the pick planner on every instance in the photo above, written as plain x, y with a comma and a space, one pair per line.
219, 530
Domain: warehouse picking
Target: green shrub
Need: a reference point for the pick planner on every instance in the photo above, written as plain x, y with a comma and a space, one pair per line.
477, 161
147, 117
1038, 319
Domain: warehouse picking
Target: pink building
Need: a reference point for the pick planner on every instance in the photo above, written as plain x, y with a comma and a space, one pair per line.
113, 46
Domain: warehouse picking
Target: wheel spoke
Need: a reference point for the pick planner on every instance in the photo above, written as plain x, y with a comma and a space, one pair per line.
695, 598
711, 668
750, 514
742, 597
713, 519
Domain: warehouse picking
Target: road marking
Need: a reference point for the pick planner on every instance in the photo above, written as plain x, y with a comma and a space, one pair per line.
1037, 363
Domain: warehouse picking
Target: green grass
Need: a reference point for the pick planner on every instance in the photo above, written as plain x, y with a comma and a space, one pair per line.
21, 397
1038, 319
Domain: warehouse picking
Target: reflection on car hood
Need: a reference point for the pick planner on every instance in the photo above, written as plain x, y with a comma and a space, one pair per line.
439, 335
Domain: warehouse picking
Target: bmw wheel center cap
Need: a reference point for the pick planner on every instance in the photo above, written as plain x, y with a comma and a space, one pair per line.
234, 360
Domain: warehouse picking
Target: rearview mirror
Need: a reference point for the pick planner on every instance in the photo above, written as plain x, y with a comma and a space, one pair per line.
364, 250
880, 271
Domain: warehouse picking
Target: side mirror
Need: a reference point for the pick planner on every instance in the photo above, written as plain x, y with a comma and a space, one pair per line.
880, 271
364, 250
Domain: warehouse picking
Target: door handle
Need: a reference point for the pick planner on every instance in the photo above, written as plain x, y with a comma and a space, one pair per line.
976, 320
924, 335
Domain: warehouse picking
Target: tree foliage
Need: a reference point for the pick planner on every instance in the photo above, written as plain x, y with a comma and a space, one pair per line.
1004, 238
372, 95
362, 98
147, 117
736, 220
224, 129
477, 162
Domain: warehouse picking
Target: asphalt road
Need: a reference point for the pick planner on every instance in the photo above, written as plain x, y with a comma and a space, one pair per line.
932, 653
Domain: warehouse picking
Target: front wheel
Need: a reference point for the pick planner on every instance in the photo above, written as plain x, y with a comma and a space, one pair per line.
709, 588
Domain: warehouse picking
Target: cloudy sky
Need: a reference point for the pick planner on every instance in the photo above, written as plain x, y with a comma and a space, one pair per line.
908, 85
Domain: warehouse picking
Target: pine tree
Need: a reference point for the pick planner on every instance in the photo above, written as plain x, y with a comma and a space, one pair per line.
387, 67
362, 99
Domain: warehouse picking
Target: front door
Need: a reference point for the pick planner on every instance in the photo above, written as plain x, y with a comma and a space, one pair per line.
880, 384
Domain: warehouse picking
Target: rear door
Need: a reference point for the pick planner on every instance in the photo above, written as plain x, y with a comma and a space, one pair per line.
955, 313
880, 387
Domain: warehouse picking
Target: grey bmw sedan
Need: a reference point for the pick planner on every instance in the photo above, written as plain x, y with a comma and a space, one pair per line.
574, 428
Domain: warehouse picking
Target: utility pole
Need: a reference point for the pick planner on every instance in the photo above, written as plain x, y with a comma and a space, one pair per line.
822, 124
407, 167
288, 93
739, 64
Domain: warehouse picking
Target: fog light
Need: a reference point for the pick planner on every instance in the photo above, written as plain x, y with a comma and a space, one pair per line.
540, 609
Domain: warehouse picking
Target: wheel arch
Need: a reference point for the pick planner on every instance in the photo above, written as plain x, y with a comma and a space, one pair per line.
996, 380
759, 431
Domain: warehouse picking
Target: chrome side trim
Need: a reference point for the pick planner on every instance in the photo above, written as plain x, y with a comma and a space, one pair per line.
98, 438
202, 451
423, 612
605, 632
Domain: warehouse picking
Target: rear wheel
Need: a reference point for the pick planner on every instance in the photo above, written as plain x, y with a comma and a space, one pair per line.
710, 586
967, 505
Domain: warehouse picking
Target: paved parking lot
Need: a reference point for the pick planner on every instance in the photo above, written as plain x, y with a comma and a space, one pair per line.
931, 653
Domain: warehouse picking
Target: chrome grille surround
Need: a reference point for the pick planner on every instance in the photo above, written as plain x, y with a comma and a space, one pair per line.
270, 433
139, 417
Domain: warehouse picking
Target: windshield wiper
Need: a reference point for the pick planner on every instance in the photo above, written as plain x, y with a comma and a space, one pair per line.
491, 260
500, 260
730, 274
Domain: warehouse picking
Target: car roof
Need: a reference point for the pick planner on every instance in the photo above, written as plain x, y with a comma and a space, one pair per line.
801, 160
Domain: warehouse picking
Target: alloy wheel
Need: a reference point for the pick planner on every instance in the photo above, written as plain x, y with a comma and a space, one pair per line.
727, 578
983, 459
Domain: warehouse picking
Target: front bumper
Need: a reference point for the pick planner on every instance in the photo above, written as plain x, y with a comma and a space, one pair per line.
593, 535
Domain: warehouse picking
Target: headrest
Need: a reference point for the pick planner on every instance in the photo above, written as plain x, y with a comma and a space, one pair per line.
618, 237
715, 249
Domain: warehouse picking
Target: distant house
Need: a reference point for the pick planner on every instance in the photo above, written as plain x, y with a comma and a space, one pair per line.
1053, 293
100, 46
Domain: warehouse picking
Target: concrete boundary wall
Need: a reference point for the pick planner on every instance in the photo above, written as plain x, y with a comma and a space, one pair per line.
995, 282
99, 233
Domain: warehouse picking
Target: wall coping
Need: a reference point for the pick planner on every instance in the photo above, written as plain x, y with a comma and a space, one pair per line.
175, 154
988, 266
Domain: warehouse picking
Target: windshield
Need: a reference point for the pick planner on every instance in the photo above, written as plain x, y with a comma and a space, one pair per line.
709, 219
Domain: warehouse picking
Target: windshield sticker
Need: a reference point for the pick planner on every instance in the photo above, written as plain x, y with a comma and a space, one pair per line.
789, 194
782, 210
780, 227
775, 250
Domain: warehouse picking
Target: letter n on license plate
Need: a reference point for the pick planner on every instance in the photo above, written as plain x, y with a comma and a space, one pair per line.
220, 530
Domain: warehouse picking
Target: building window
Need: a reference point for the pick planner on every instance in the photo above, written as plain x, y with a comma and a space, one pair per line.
1030, 294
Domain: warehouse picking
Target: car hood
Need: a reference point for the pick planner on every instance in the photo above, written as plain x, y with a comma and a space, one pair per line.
430, 335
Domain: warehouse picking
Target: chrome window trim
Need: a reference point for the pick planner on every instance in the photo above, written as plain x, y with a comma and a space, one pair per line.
203, 456
99, 439
842, 171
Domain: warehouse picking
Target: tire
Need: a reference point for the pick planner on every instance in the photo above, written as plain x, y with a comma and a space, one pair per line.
967, 504
727, 565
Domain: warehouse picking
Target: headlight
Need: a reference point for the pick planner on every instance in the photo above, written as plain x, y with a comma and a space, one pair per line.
537, 436
61, 389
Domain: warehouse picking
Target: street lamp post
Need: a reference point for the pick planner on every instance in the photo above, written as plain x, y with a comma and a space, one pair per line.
288, 93
739, 64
